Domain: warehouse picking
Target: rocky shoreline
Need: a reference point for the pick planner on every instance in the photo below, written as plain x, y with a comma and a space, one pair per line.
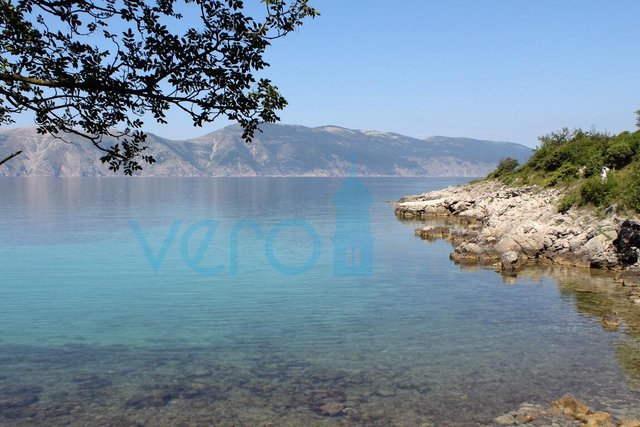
513, 228
490, 223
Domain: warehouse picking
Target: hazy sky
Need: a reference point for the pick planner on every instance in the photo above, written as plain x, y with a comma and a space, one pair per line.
495, 69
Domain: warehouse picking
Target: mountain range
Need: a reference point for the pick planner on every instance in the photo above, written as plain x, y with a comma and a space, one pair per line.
279, 150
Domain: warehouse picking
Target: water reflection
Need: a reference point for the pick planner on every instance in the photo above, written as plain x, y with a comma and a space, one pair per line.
596, 294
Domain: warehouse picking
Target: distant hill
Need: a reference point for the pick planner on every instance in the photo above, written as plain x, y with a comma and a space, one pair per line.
280, 150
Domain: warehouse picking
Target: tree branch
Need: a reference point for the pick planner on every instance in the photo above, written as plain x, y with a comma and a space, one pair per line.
53, 62
98, 87
6, 159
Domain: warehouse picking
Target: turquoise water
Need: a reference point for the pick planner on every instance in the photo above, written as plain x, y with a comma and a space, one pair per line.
258, 329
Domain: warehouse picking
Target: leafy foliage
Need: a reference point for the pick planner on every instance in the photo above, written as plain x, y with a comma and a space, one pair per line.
598, 192
88, 67
568, 201
631, 188
574, 159
564, 173
506, 165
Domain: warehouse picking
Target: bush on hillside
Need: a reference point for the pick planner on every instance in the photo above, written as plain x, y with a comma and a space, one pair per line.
565, 173
505, 166
619, 153
569, 200
576, 158
557, 138
631, 188
597, 192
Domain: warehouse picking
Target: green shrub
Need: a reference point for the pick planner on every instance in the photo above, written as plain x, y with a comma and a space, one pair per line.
556, 158
631, 188
558, 138
569, 200
588, 150
619, 153
597, 192
505, 166
566, 172
593, 166
576, 158
631, 138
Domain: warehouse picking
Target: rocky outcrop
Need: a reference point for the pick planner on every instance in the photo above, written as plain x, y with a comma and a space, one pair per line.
489, 222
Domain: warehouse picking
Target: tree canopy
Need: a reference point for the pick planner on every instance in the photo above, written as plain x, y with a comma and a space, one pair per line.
97, 68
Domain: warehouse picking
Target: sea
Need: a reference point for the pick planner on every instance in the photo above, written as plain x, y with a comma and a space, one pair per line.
268, 301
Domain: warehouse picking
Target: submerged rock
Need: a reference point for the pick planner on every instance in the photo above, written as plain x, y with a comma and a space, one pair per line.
331, 409
152, 399
568, 411
631, 277
536, 415
634, 296
611, 322
629, 423
573, 407
384, 392
599, 419
328, 402
433, 233
198, 373
506, 420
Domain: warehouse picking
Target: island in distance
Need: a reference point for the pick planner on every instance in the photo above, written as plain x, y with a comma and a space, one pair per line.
279, 150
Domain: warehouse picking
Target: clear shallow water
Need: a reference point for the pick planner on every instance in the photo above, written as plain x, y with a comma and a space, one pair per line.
90, 334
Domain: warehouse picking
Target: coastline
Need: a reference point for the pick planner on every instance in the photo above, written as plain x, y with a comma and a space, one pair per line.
520, 231
490, 223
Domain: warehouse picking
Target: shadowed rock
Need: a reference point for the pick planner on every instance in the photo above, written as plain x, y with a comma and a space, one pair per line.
628, 242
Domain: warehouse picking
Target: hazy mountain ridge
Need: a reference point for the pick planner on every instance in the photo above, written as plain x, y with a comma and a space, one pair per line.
280, 150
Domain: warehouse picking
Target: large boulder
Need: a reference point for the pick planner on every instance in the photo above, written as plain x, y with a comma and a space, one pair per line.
628, 242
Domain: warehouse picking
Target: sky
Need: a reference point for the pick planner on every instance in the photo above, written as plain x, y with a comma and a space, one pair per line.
508, 70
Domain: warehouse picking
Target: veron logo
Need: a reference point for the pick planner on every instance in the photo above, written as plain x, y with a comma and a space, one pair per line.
352, 239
